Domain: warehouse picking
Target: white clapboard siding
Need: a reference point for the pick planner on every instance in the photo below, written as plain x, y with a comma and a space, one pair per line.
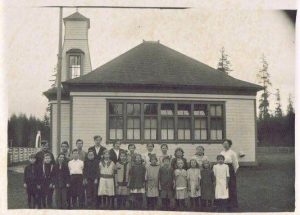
76, 30
89, 119
76, 37
65, 125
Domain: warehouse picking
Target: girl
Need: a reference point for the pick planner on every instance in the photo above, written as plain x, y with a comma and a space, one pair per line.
193, 178
179, 156
152, 182
121, 179
207, 184
199, 155
180, 175
164, 153
221, 173
131, 154
61, 181
91, 175
231, 160
106, 189
136, 182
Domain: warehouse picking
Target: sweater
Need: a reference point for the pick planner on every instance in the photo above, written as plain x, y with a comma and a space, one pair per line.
91, 169
137, 175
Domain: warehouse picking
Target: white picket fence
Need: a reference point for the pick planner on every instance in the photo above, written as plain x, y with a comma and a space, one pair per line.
19, 154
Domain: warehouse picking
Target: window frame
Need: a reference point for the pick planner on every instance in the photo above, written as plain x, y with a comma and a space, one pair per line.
142, 140
76, 53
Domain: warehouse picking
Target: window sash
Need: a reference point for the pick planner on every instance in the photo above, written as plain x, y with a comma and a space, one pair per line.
188, 121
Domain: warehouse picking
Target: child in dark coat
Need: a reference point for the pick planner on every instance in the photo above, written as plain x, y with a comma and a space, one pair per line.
45, 182
30, 179
207, 185
166, 183
136, 182
61, 181
90, 179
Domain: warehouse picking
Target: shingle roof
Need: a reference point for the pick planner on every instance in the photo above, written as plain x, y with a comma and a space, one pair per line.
151, 63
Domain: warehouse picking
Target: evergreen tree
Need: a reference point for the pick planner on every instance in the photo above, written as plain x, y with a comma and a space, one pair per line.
263, 77
224, 64
290, 109
278, 110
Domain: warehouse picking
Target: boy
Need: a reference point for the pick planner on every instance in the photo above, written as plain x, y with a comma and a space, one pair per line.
91, 175
64, 148
166, 183
114, 153
30, 180
97, 148
81, 153
76, 183
61, 181
45, 150
45, 182
147, 155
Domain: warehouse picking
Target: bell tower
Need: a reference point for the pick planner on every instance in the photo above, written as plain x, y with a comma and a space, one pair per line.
75, 53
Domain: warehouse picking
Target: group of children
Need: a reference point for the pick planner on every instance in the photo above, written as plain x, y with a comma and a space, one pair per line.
93, 183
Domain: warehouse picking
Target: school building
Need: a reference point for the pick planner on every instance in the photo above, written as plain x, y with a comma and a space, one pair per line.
151, 93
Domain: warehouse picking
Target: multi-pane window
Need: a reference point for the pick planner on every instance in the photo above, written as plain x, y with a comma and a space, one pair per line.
216, 122
150, 121
133, 121
184, 121
166, 121
200, 122
74, 65
116, 121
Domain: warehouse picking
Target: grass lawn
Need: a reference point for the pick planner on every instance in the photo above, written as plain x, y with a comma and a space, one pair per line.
268, 187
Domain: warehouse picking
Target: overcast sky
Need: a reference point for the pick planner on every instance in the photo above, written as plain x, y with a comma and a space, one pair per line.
31, 43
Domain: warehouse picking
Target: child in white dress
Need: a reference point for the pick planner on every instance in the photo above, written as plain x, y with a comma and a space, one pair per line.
221, 173
193, 177
106, 189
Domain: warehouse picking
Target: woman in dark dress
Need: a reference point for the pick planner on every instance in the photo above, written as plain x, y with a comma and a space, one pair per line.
231, 160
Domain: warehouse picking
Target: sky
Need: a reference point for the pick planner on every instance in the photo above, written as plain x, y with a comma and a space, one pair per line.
31, 44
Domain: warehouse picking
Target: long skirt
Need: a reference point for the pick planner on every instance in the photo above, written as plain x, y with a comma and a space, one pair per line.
233, 202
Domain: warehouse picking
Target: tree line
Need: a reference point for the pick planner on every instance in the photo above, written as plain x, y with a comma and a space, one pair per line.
273, 129
22, 130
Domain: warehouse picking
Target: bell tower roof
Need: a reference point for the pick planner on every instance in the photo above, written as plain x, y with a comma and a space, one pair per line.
77, 17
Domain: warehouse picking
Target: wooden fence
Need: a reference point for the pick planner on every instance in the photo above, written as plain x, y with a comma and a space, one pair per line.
19, 154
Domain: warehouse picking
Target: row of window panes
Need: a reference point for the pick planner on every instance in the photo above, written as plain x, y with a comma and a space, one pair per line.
167, 109
167, 128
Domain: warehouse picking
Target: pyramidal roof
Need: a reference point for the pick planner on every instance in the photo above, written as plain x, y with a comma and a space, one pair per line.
77, 17
154, 64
